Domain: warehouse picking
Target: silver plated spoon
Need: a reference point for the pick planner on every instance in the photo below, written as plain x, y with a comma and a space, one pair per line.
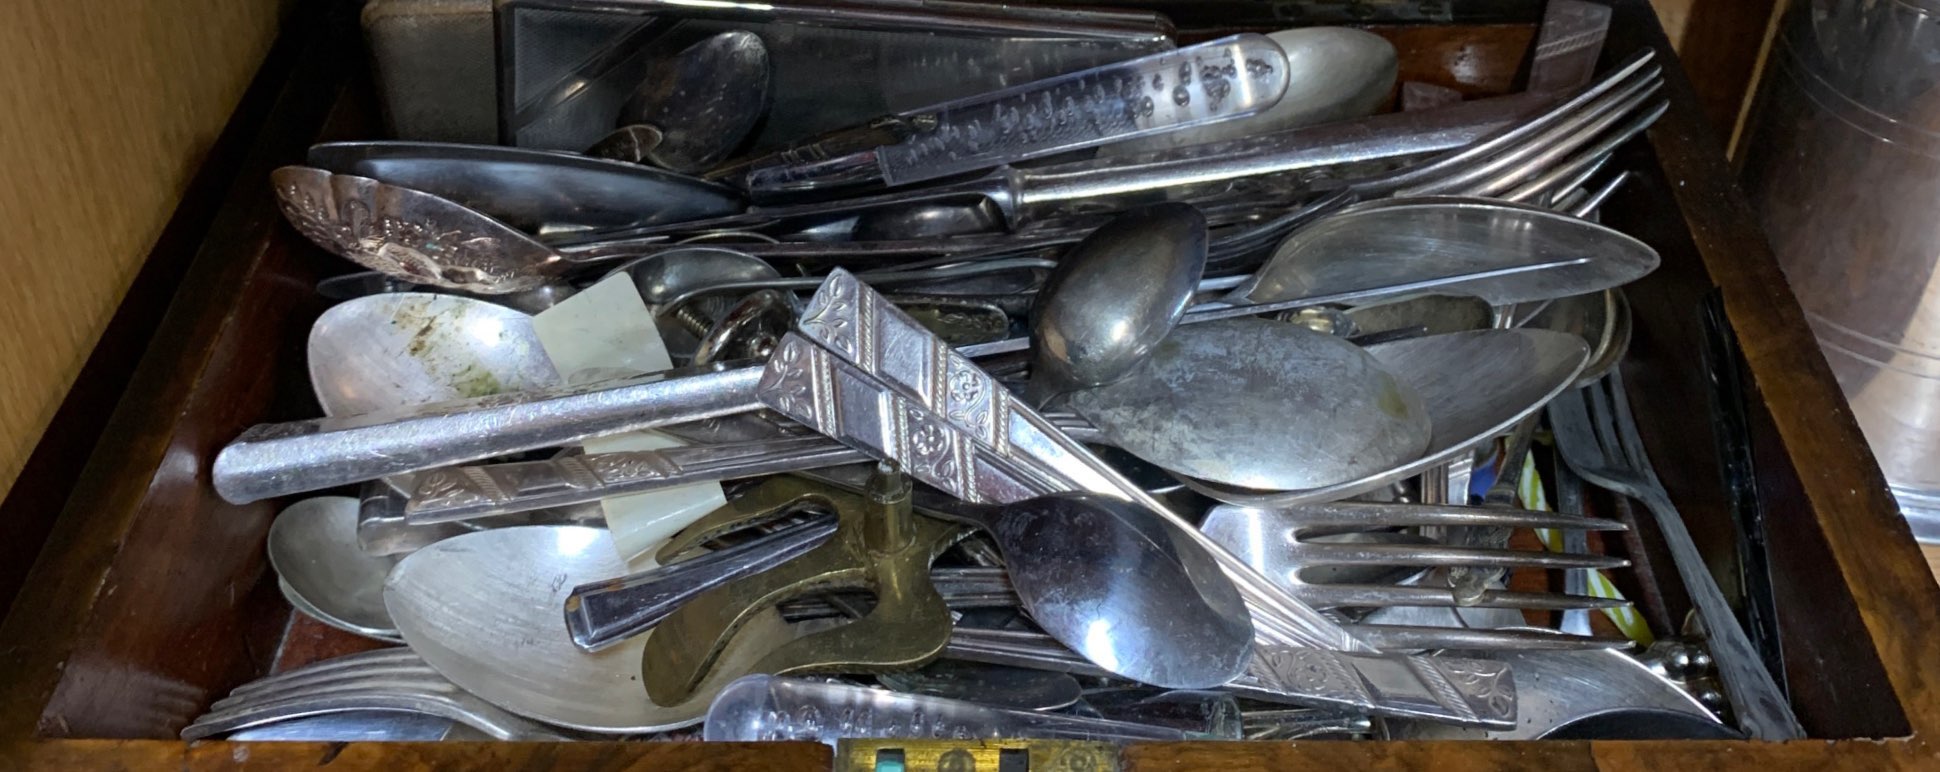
483, 610
382, 352
536, 191
1261, 404
1377, 242
1475, 385
1114, 297
323, 573
705, 101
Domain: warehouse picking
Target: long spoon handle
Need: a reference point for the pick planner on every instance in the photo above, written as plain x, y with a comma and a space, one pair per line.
272, 460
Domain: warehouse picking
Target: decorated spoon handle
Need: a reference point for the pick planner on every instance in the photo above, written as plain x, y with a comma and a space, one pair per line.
484, 490
467, 492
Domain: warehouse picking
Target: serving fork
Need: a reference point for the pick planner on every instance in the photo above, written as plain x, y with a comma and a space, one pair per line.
1598, 438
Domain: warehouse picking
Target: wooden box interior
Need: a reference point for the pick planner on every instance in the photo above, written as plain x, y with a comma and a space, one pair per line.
152, 597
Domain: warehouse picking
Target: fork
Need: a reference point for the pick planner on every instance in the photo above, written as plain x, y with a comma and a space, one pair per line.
1289, 544
1598, 438
394, 679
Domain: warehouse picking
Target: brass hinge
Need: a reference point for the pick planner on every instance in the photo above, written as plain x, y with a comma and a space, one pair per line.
975, 756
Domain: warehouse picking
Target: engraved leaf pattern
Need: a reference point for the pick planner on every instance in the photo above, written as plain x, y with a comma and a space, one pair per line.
788, 386
624, 467
442, 488
831, 317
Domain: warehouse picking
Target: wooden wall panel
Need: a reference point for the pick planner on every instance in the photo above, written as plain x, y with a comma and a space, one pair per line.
106, 110
1722, 44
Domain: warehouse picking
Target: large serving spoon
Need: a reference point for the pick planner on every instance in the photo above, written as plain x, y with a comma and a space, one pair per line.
703, 103
1334, 74
1377, 242
483, 610
1261, 404
537, 191
1113, 297
382, 352
1475, 385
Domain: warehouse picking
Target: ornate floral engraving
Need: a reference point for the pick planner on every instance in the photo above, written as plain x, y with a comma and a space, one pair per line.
380, 228
446, 488
1309, 672
613, 468
788, 385
966, 398
928, 449
831, 318
1483, 682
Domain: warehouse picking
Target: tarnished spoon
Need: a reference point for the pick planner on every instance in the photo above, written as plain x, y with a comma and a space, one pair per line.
1261, 404
705, 101
382, 352
536, 191
1476, 386
1094, 572
412, 235
1113, 297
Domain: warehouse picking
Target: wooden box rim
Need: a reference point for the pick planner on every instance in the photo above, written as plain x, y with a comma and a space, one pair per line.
1872, 551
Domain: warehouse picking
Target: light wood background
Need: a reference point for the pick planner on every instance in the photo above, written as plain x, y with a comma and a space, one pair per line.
106, 110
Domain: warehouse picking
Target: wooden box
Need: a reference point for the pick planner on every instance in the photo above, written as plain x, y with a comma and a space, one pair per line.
151, 597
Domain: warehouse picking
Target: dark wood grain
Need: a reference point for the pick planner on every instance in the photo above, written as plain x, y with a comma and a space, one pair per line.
28, 509
1722, 48
152, 597
1477, 60
306, 641
156, 582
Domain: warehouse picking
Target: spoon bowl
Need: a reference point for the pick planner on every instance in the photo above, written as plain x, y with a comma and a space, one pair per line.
382, 352
1095, 572
322, 571
483, 610
705, 102
1261, 404
1113, 298
410, 234
534, 191
1386, 242
1514, 373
